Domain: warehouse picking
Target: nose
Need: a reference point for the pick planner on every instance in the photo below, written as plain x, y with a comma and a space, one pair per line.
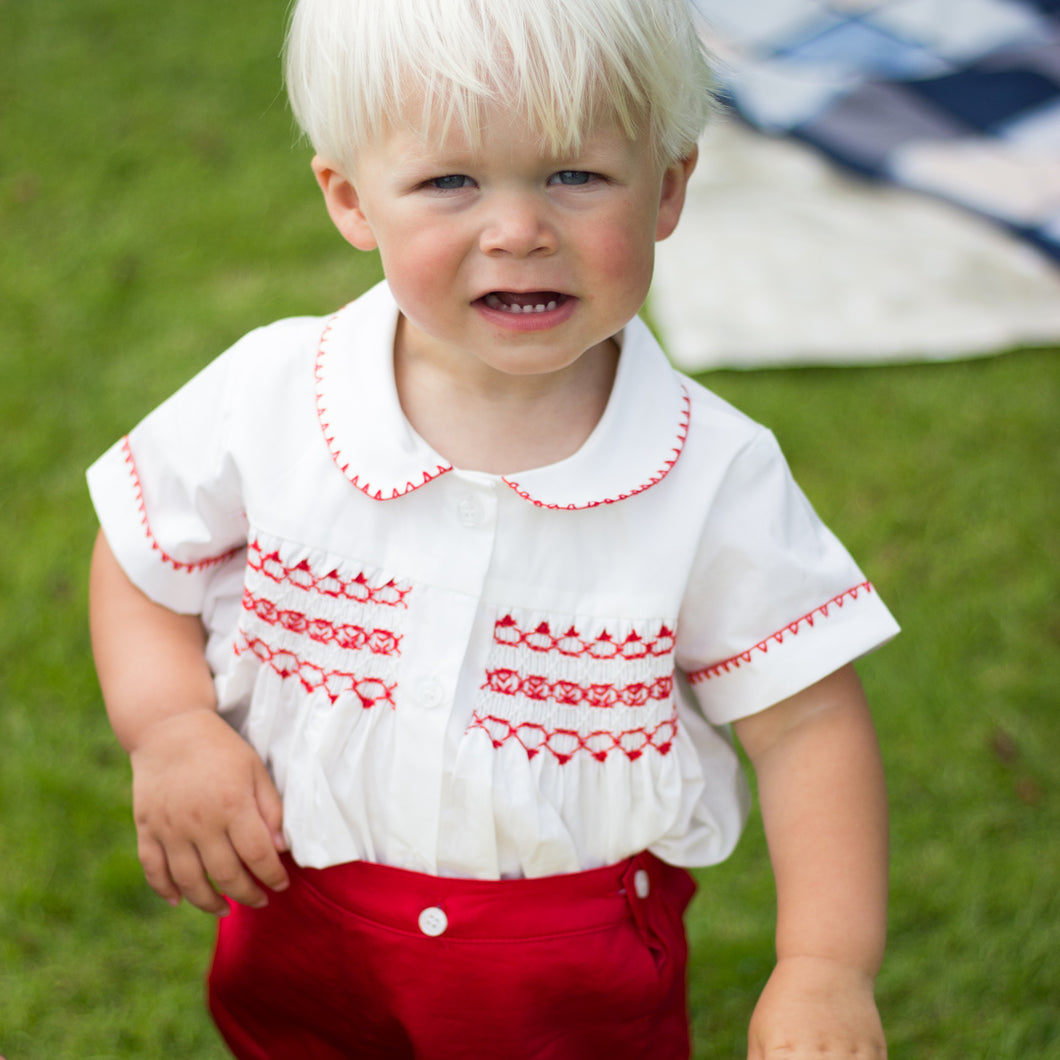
519, 226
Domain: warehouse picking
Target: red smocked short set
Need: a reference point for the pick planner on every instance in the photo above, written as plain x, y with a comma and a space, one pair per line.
475, 677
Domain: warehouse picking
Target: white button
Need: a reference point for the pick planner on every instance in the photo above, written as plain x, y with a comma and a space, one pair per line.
433, 921
430, 692
641, 883
469, 510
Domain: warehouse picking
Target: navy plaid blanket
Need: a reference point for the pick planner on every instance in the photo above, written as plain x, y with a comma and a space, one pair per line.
956, 98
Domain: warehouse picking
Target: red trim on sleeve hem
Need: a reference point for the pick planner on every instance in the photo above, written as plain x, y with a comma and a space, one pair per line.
176, 564
792, 629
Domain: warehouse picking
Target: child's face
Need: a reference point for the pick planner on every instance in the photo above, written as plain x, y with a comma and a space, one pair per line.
503, 259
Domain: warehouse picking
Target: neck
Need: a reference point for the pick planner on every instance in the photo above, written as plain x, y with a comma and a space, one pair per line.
501, 423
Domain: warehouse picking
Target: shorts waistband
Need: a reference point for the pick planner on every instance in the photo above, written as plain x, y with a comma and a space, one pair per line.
417, 903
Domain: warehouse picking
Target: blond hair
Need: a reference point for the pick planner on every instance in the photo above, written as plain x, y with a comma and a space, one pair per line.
356, 67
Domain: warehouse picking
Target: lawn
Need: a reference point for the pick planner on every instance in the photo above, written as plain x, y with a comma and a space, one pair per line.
154, 205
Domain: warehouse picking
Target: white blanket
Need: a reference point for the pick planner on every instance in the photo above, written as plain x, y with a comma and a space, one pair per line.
782, 259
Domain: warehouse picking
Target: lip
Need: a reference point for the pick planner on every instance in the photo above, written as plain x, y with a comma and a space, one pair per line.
559, 308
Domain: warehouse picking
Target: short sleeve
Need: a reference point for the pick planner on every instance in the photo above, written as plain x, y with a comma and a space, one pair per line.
168, 495
775, 602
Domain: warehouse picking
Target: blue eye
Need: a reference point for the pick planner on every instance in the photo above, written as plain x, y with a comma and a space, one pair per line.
571, 178
451, 182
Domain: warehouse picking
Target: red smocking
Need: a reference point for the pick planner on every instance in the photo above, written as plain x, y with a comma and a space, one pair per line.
564, 744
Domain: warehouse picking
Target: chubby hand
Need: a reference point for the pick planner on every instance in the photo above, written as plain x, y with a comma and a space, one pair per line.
206, 810
816, 1007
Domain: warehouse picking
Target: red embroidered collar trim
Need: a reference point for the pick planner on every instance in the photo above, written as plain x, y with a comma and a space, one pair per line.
330, 366
660, 474
634, 446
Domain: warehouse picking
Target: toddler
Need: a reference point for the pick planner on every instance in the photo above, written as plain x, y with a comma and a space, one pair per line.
426, 625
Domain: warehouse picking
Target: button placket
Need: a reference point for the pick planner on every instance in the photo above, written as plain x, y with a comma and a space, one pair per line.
421, 720
453, 561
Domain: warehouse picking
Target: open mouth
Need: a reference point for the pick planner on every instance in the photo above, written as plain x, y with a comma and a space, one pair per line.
523, 303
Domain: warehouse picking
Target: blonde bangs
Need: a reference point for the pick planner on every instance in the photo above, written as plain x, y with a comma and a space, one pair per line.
357, 67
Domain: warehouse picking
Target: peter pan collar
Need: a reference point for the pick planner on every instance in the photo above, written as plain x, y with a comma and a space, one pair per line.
637, 441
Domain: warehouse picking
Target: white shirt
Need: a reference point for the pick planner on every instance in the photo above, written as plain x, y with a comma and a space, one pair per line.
478, 675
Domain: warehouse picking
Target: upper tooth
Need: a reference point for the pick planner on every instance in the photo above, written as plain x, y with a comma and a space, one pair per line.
497, 303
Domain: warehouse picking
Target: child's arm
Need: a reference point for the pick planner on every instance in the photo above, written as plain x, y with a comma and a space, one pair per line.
204, 804
821, 789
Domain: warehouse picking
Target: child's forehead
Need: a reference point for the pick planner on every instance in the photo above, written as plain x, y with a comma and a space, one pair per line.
467, 124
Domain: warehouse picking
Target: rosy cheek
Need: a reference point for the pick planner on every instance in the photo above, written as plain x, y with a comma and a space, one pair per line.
417, 267
422, 270
623, 261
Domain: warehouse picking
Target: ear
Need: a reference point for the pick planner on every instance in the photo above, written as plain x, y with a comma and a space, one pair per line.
672, 196
344, 205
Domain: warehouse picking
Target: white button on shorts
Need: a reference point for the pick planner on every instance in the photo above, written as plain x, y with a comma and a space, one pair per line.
641, 883
433, 921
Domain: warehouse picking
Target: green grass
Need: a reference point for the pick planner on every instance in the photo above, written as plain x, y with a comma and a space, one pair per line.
942, 479
154, 207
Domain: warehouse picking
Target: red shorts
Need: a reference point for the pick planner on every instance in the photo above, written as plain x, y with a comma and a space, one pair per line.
361, 960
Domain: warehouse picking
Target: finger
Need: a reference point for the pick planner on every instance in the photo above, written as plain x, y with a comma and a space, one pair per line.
253, 842
192, 877
156, 869
228, 873
270, 806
